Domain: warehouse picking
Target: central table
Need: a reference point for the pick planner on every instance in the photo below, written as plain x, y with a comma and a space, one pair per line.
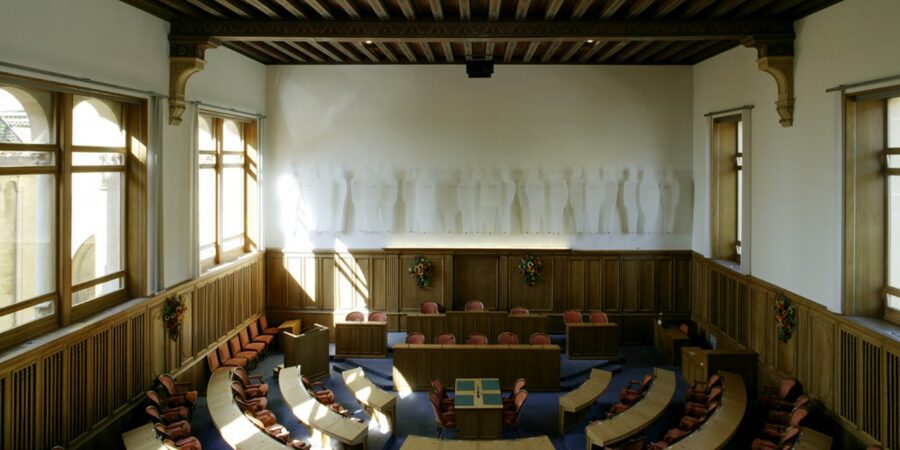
479, 408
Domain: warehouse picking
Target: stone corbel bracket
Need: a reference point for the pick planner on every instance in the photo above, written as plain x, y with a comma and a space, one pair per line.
775, 56
186, 57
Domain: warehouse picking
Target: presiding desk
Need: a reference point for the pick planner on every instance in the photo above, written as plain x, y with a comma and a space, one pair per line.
360, 339
464, 323
592, 341
237, 431
316, 416
576, 402
142, 438
424, 443
378, 404
631, 421
415, 365
724, 421
479, 408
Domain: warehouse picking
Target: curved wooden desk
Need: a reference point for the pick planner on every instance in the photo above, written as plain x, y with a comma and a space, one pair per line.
636, 418
237, 431
378, 404
724, 422
582, 397
316, 415
812, 440
142, 438
424, 443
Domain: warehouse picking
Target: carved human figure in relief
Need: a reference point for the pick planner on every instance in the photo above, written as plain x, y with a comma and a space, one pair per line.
507, 196
576, 199
365, 192
532, 199
649, 198
630, 200
489, 199
670, 191
467, 196
323, 192
388, 200
610, 200
557, 199
447, 199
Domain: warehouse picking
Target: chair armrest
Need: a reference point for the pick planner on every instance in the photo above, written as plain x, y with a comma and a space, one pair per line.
255, 377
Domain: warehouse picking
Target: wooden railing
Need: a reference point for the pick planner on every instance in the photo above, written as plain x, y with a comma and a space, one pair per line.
850, 364
63, 387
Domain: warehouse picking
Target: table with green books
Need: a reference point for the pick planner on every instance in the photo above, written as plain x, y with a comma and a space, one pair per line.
479, 408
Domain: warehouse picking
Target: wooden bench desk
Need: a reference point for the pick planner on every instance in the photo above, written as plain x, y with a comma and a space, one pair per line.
316, 416
378, 404
724, 421
592, 341
812, 440
638, 417
360, 339
525, 325
574, 403
424, 443
142, 438
235, 429
464, 323
430, 325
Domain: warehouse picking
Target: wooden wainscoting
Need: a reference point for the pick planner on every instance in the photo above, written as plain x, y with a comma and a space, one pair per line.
61, 388
844, 362
633, 287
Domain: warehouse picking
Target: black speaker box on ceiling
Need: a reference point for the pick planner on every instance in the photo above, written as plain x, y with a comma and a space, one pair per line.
479, 68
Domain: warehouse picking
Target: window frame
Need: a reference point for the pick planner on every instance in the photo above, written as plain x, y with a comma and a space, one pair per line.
738, 253
133, 206
890, 314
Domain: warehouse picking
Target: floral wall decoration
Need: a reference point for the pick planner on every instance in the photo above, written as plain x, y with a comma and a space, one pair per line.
421, 270
784, 317
531, 267
173, 313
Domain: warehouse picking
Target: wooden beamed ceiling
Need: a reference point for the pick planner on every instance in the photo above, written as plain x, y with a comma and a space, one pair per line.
505, 31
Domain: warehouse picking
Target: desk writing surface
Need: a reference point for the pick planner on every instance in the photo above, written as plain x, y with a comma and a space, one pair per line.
315, 414
637, 417
468, 390
235, 429
810, 439
366, 391
142, 438
724, 421
587, 392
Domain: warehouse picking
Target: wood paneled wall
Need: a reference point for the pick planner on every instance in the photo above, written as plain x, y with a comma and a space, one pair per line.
61, 388
633, 287
847, 363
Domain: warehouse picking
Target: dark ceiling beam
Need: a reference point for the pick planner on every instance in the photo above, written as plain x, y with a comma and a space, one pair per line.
611, 51
339, 47
437, 10
592, 50
638, 7
610, 8
408, 11
154, 7
633, 49
493, 9
210, 7
312, 55
808, 8
250, 52
697, 7
581, 7
685, 54
365, 51
667, 6
752, 6
448, 51
295, 51
426, 50
265, 49
320, 8
465, 10
489, 50
263, 8
505, 30
467, 50
290, 7
529, 51
551, 50
654, 49
719, 47
725, 6
784, 5
510, 51
349, 8
552, 8
571, 51
325, 51
663, 56
407, 51
522, 9
183, 8
379, 9
236, 7
386, 51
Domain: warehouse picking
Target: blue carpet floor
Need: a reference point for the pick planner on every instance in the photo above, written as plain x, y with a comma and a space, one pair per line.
414, 415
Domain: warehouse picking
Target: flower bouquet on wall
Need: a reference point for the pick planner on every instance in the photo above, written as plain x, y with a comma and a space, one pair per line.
173, 313
421, 270
784, 317
531, 267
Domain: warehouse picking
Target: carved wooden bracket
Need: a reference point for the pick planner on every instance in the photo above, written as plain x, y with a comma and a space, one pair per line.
185, 59
776, 57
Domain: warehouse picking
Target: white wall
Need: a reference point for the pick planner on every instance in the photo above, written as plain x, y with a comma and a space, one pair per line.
110, 41
796, 185
435, 117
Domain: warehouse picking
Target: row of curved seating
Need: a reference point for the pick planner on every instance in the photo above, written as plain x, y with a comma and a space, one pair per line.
504, 338
170, 407
651, 402
378, 404
245, 348
471, 305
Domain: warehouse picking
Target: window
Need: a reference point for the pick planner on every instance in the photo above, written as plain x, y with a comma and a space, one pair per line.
63, 164
726, 188
892, 193
227, 188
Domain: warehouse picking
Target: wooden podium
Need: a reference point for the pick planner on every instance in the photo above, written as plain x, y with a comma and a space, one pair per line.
308, 349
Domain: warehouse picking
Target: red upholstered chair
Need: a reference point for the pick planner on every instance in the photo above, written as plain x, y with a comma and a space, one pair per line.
257, 389
324, 396
634, 443
255, 335
774, 430
474, 305
599, 317
698, 409
539, 339
265, 416
508, 338
178, 429
254, 404
788, 391
229, 361
212, 358
377, 316
519, 311
437, 386
517, 387
684, 328
415, 338
785, 442
511, 415
635, 389
248, 345
428, 308
572, 316
355, 316
618, 408
276, 431
445, 339
477, 339
188, 443
264, 327
179, 394
700, 390
171, 413
689, 423
234, 345
782, 413
442, 418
